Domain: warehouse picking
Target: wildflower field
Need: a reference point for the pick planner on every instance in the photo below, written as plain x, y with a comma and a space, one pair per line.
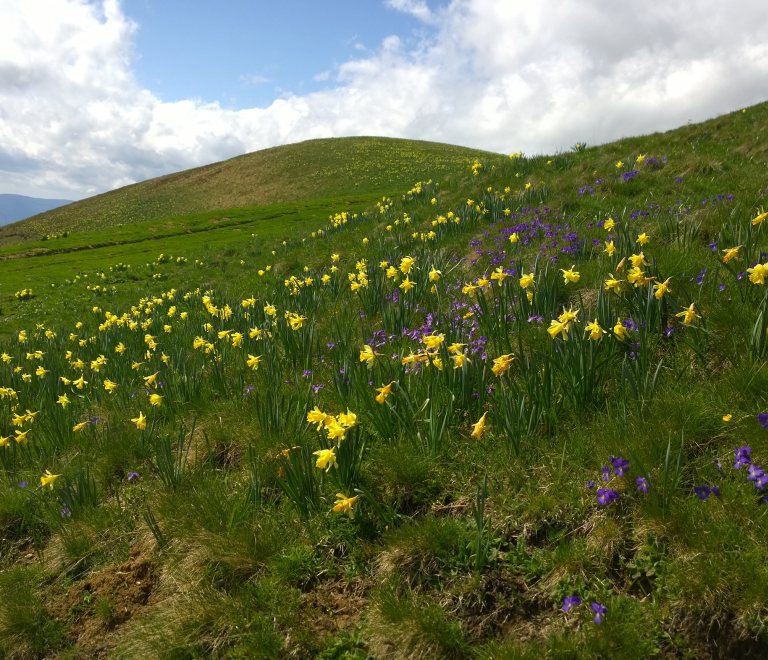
515, 410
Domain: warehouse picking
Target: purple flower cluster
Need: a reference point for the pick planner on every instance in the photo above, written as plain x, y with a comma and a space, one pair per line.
703, 492
574, 601
628, 176
618, 467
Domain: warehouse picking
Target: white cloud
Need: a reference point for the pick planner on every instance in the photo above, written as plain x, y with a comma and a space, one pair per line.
495, 74
254, 80
417, 8
322, 76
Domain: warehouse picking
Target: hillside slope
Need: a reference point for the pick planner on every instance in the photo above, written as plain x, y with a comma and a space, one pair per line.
290, 173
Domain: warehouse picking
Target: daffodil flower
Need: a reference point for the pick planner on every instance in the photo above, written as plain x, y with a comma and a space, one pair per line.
384, 392
731, 253
502, 364
326, 459
758, 274
478, 427
344, 504
569, 275
688, 315
594, 330
661, 288
49, 479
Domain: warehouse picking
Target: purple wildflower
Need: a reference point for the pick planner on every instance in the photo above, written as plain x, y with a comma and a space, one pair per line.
133, 476
590, 484
715, 491
642, 484
606, 495
621, 465
570, 602
599, 610
702, 492
763, 419
754, 472
742, 457
718, 465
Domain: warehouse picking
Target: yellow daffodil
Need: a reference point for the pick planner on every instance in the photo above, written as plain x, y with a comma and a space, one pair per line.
731, 253
80, 426
140, 421
433, 341
253, 361
149, 381
318, 417
514, 238
642, 239
136, 365
63, 401
155, 399
688, 315
478, 428
49, 479
727, 418
5, 442
635, 276
526, 280
760, 217
661, 288
367, 354
434, 274
620, 331
570, 275
406, 285
612, 284
80, 383
609, 224
406, 263
499, 275
348, 419
384, 392
758, 274
21, 436
594, 330
344, 504
610, 248
502, 364
326, 459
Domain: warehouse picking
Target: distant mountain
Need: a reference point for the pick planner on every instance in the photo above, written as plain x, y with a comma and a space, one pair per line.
18, 207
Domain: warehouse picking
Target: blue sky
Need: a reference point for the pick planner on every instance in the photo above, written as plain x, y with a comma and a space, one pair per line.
99, 94
245, 54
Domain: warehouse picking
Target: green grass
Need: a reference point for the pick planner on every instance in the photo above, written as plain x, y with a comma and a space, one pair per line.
459, 546
305, 171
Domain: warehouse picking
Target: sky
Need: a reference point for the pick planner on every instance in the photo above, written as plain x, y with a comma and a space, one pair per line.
98, 94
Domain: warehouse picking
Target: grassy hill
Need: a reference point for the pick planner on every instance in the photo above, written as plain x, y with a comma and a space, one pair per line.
518, 412
291, 173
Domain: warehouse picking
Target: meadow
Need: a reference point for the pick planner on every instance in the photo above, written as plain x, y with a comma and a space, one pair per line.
516, 409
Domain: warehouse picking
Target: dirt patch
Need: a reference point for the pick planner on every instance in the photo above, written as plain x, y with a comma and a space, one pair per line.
335, 606
718, 636
96, 607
